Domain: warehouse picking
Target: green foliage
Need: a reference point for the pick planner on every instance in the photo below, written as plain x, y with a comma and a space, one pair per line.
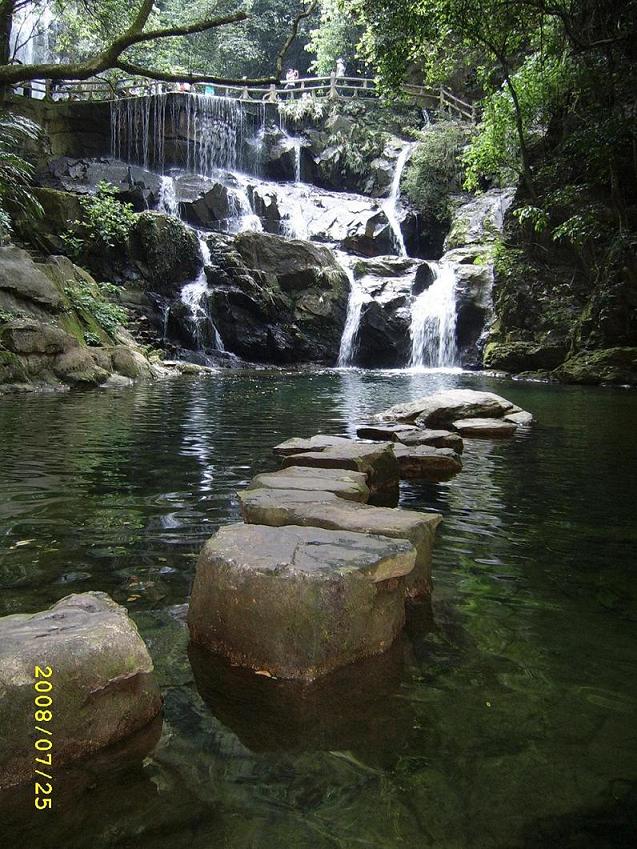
15, 171
8, 315
495, 154
304, 108
435, 169
94, 301
92, 339
335, 38
106, 224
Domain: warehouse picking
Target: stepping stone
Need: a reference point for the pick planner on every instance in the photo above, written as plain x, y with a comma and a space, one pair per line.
377, 461
392, 431
434, 438
521, 418
351, 486
485, 428
314, 443
422, 462
297, 602
266, 507
102, 676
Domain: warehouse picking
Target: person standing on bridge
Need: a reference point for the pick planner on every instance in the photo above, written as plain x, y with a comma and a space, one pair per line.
340, 67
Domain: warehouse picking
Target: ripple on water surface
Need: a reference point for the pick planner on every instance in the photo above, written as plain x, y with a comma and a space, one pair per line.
504, 717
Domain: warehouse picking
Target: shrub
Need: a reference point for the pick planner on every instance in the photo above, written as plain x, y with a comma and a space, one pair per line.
435, 171
86, 298
15, 171
106, 224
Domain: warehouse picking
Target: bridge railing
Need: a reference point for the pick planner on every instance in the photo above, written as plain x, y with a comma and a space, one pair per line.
333, 86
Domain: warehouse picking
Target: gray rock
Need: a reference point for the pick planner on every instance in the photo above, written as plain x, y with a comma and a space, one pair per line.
434, 438
314, 443
297, 602
325, 510
376, 461
479, 220
522, 418
25, 336
443, 407
423, 462
351, 486
102, 676
25, 280
481, 428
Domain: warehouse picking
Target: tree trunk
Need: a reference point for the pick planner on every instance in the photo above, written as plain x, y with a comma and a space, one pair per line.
519, 124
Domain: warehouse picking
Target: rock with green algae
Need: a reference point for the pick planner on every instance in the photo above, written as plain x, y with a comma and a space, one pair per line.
521, 356
103, 687
610, 365
165, 250
297, 602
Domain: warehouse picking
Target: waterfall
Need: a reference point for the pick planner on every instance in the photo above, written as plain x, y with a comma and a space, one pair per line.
30, 40
433, 321
390, 206
168, 197
192, 296
347, 350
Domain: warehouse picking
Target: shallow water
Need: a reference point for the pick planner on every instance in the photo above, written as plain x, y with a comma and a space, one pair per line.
506, 715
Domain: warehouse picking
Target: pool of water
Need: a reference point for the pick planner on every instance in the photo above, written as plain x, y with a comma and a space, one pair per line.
505, 716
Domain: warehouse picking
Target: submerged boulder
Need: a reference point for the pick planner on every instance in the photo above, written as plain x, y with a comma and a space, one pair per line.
325, 510
296, 602
103, 688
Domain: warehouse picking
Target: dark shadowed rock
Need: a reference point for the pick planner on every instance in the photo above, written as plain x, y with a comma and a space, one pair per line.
298, 602
391, 431
166, 251
102, 676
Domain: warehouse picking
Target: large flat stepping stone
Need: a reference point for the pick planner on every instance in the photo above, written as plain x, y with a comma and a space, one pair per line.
422, 462
298, 602
314, 443
267, 507
485, 428
351, 486
376, 461
103, 687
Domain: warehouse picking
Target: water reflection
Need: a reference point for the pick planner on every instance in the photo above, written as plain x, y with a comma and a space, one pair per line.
507, 721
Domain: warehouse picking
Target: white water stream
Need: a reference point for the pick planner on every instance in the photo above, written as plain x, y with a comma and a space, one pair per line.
433, 321
193, 296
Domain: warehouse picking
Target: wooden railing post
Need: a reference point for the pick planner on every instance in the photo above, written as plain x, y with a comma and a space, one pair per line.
272, 94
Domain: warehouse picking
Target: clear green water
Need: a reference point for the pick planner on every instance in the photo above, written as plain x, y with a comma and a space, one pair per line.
505, 717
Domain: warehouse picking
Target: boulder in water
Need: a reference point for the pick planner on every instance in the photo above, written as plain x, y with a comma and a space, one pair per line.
325, 510
481, 428
443, 408
103, 688
434, 438
377, 461
423, 462
297, 602
314, 443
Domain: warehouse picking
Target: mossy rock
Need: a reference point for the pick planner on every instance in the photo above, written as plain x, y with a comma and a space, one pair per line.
609, 365
165, 250
521, 356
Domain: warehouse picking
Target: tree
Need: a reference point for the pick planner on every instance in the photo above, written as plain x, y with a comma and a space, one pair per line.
141, 27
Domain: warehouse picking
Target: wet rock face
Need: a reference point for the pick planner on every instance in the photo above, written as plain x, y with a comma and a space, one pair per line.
277, 300
166, 251
102, 677
298, 602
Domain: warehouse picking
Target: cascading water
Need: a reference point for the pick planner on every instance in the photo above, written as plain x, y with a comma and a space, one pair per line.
193, 297
347, 350
168, 196
390, 206
30, 39
433, 321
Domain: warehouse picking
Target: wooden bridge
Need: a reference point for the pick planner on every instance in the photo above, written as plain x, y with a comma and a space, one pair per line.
333, 87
